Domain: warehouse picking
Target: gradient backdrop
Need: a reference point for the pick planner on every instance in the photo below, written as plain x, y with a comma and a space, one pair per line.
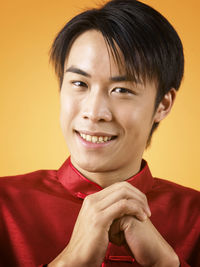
30, 135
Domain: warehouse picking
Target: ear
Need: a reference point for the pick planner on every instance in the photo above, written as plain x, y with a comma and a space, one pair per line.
165, 105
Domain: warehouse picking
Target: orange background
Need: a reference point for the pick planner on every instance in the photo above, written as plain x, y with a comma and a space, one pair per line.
30, 135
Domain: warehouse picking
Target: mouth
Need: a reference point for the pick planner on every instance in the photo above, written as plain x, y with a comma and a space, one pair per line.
96, 138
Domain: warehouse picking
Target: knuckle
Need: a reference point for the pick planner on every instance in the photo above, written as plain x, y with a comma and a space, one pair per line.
124, 184
135, 207
145, 199
122, 192
140, 210
88, 200
117, 185
120, 184
122, 188
122, 204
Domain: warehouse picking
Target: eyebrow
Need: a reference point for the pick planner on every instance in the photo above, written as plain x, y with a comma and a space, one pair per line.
78, 71
84, 73
120, 79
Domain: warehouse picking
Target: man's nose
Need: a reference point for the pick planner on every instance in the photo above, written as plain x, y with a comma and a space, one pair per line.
96, 107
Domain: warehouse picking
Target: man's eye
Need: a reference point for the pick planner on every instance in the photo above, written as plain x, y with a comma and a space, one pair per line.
79, 84
122, 90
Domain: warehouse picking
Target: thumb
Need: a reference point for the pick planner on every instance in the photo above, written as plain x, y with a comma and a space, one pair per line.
116, 235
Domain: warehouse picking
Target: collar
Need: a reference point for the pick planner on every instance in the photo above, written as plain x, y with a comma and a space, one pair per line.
80, 186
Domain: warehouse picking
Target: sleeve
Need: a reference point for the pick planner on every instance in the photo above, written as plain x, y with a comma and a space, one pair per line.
194, 258
183, 263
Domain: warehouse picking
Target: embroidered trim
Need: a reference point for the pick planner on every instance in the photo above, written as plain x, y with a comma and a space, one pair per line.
81, 195
121, 258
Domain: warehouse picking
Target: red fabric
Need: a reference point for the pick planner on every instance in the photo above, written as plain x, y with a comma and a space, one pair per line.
38, 211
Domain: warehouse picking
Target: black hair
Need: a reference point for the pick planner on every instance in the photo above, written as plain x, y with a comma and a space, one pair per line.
151, 47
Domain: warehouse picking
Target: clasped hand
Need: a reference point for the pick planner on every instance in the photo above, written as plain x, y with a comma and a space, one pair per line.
118, 214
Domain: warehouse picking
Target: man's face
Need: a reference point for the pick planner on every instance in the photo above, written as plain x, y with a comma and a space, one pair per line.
105, 119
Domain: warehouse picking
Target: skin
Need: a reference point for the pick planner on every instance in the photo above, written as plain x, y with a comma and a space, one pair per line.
93, 102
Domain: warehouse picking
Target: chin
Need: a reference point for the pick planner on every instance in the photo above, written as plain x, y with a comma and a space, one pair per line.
92, 165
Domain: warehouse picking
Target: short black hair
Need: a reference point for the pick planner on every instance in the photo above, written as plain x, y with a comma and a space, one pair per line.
151, 47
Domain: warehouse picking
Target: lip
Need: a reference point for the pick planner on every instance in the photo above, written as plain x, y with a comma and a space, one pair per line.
91, 145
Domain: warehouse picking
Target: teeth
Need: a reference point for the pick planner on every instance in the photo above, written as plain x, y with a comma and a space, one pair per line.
100, 139
95, 139
88, 138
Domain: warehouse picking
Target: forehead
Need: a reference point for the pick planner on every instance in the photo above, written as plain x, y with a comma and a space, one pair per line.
91, 52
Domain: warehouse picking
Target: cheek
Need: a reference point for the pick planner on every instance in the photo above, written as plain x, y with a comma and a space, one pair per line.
128, 116
135, 121
68, 110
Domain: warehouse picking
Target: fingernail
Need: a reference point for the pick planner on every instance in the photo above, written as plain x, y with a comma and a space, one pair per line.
149, 212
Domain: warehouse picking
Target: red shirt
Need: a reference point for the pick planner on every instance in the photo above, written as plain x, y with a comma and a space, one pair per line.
39, 210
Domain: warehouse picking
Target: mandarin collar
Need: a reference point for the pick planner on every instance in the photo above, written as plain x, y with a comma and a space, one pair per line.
80, 186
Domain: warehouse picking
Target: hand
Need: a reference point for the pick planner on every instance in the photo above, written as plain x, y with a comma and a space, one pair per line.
145, 242
90, 237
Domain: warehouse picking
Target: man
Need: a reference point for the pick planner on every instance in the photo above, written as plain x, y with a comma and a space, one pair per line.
119, 68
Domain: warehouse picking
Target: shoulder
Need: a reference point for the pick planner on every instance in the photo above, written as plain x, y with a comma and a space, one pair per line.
31, 175
178, 198
180, 190
25, 181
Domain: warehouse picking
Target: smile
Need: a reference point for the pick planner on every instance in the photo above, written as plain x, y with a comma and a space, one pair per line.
96, 139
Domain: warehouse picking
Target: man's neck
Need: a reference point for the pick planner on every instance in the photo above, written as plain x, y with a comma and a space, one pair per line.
107, 178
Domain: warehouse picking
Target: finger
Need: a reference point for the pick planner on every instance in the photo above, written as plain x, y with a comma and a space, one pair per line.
115, 187
121, 191
120, 209
123, 195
